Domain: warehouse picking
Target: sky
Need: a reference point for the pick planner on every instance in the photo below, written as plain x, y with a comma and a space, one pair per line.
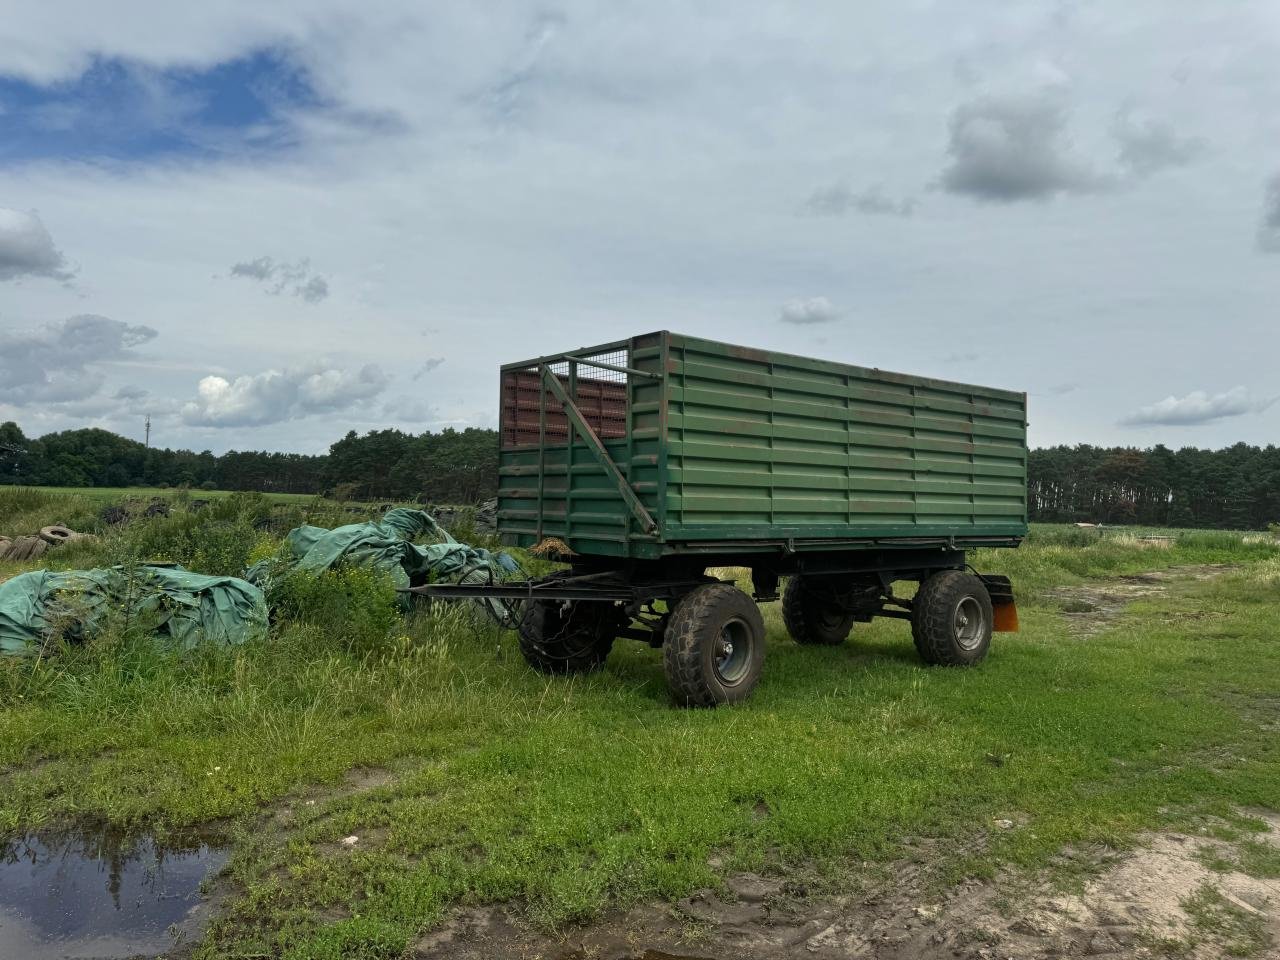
265, 225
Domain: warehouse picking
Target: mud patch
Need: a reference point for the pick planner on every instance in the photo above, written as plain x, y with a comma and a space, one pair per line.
1091, 608
1161, 899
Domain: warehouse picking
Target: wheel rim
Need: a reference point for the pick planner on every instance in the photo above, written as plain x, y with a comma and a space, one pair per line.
832, 617
968, 624
733, 652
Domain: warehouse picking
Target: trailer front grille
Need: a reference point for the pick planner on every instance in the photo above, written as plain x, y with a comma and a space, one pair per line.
600, 395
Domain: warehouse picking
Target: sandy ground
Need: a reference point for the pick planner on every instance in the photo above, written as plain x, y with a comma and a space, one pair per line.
1141, 904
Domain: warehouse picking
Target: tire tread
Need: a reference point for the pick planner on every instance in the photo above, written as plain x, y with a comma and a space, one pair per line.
687, 631
930, 618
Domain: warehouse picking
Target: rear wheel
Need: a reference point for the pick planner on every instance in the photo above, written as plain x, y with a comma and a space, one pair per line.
713, 649
574, 637
814, 615
951, 619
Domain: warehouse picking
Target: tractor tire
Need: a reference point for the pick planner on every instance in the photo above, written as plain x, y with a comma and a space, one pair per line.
811, 618
713, 649
561, 639
57, 535
951, 619
27, 548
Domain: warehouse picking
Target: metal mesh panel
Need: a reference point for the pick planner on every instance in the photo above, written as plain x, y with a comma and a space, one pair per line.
600, 395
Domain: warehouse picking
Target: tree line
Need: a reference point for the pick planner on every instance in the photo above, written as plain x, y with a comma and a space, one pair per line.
1236, 487
453, 466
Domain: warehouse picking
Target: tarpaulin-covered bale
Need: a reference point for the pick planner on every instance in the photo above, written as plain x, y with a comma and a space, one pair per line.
386, 545
184, 608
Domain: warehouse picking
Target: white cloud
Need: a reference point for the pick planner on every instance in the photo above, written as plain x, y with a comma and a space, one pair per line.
57, 362
278, 395
27, 249
1196, 408
812, 310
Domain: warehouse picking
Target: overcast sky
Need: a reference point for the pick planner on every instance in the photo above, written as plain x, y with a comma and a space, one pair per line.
266, 224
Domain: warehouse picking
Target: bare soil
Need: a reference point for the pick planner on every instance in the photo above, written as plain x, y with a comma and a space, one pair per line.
1091, 608
1137, 906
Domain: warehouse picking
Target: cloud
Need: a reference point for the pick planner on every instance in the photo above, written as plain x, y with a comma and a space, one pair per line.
1269, 227
1062, 389
1008, 149
27, 249
427, 366
1197, 407
54, 364
279, 395
410, 410
812, 310
1149, 146
839, 199
279, 277
314, 290
131, 393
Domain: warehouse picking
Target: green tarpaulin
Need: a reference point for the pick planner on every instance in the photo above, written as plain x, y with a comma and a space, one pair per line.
386, 544
187, 608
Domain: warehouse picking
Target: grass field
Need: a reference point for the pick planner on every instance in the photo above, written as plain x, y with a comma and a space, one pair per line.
471, 779
116, 494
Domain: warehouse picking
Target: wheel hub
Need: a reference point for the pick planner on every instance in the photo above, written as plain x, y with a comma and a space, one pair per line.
968, 624
732, 653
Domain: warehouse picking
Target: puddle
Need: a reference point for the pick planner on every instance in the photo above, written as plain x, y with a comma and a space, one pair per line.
100, 896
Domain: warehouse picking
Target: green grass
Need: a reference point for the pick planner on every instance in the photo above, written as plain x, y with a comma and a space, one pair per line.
1240, 932
573, 796
115, 494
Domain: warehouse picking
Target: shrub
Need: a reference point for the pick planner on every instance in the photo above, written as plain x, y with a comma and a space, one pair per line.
357, 605
218, 540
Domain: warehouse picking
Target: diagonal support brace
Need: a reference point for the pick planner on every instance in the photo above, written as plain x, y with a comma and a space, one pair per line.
557, 390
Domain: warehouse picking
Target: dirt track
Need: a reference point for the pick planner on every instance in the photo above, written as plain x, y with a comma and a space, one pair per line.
1137, 906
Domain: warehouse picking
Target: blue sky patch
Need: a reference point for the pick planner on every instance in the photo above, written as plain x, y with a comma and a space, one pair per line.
118, 110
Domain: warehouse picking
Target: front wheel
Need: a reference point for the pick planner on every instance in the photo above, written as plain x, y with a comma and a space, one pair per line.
951, 619
713, 649
563, 638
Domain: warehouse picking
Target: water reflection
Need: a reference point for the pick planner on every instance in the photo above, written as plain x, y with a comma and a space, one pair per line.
99, 894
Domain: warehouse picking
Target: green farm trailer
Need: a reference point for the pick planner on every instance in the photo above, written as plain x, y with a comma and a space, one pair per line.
646, 463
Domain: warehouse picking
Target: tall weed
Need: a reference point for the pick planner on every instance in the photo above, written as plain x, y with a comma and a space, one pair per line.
355, 606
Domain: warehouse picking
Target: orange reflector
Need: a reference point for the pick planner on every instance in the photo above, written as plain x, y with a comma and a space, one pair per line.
1005, 619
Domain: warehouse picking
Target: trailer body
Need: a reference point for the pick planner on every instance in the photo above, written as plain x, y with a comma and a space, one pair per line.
645, 464
665, 445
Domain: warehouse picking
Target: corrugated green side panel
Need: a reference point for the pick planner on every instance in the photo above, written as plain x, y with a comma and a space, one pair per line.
580, 503
763, 445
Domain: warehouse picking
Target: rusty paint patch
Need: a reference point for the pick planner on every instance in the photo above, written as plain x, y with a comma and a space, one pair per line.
749, 353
